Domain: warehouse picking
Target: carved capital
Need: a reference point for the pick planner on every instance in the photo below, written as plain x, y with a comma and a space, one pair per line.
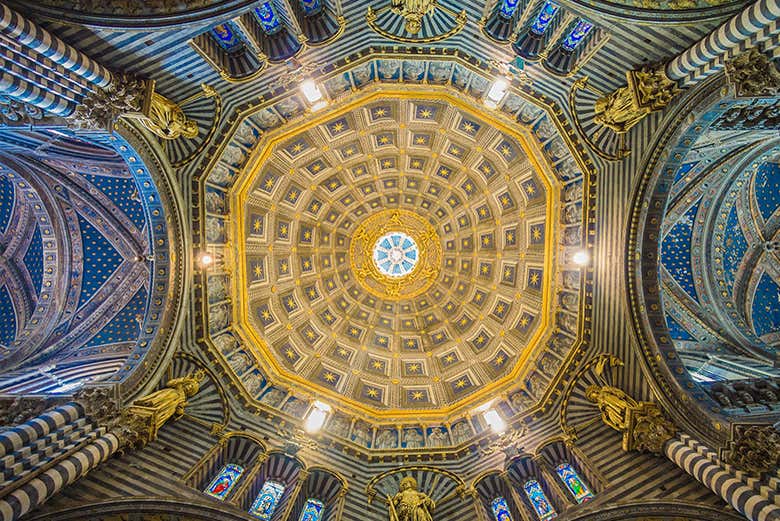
102, 108
100, 404
756, 449
648, 429
752, 75
648, 90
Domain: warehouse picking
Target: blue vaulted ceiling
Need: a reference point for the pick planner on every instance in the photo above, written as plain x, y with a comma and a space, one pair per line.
79, 281
716, 247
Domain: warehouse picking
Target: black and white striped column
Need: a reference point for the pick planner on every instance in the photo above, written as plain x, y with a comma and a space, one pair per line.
36, 491
17, 437
757, 23
733, 486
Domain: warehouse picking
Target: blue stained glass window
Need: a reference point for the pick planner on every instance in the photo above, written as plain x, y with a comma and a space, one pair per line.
312, 511
267, 500
311, 7
572, 480
508, 7
535, 494
500, 509
544, 18
266, 15
224, 482
225, 36
577, 35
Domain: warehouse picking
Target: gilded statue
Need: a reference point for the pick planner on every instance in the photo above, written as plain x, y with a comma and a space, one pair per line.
168, 402
166, 119
413, 11
648, 90
613, 404
409, 504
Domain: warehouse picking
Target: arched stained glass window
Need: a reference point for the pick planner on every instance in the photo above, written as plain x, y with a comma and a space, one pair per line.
508, 7
224, 482
577, 35
311, 7
544, 18
267, 500
500, 509
535, 494
266, 15
572, 480
312, 511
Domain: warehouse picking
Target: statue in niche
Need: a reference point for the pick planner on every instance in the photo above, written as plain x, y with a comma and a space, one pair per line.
409, 504
360, 435
167, 120
461, 432
437, 438
413, 11
167, 402
386, 439
413, 439
339, 426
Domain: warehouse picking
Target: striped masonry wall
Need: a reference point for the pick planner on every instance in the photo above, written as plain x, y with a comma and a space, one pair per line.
702, 463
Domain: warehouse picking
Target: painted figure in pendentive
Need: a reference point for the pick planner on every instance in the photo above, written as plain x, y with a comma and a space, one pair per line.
409, 504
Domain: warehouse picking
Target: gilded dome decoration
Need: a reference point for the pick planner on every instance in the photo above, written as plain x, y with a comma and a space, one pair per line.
395, 254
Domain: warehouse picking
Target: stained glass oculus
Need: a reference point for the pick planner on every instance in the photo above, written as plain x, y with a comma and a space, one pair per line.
542, 506
312, 511
500, 509
224, 482
572, 480
267, 500
396, 254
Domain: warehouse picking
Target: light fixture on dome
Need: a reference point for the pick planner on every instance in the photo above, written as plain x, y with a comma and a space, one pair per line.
495, 421
313, 95
316, 418
205, 259
580, 258
496, 93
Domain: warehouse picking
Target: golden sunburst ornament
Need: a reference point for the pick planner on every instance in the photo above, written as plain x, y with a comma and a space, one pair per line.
395, 254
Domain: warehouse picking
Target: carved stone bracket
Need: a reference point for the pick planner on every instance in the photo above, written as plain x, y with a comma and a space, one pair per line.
756, 449
752, 75
101, 404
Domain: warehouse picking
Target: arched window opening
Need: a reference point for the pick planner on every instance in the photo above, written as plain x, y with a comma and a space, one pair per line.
267, 500
572, 480
312, 511
542, 506
501, 509
224, 482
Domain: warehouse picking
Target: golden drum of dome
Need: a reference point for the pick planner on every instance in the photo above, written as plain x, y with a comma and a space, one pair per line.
368, 274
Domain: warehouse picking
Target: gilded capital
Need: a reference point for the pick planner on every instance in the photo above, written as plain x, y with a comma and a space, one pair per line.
648, 89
